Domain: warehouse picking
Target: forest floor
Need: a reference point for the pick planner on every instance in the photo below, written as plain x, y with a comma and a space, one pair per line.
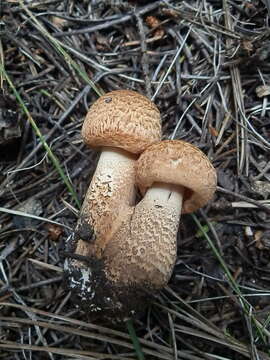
206, 65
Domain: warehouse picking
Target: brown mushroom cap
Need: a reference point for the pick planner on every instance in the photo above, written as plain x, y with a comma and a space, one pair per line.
124, 119
180, 163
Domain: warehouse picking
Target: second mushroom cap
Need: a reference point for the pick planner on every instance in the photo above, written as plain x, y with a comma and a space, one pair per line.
180, 163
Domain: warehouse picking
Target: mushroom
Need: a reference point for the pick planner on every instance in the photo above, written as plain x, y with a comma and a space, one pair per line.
122, 124
173, 177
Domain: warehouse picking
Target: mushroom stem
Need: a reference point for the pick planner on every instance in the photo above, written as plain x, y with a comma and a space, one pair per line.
110, 193
147, 252
167, 195
115, 171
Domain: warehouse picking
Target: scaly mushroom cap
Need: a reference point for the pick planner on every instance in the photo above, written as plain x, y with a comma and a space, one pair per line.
124, 119
180, 163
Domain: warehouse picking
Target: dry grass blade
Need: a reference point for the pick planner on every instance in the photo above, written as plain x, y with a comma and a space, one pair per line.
31, 216
86, 334
239, 114
57, 45
95, 334
53, 158
77, 354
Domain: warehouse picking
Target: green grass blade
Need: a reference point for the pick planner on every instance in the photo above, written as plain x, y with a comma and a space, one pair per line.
246, 306
230, 278
56, 44
135, 340
51, 155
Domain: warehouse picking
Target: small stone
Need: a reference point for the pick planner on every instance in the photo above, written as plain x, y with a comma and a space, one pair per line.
263, 90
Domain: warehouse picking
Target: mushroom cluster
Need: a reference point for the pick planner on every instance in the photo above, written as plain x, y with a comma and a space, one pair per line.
123, 249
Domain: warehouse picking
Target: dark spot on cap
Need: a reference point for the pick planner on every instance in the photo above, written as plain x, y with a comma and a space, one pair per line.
108, 100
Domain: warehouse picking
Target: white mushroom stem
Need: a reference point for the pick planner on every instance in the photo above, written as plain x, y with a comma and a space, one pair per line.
165, 195
110, 193
144, 251
115, 171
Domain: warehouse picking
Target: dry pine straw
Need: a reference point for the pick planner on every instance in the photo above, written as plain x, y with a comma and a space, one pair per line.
203, 63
